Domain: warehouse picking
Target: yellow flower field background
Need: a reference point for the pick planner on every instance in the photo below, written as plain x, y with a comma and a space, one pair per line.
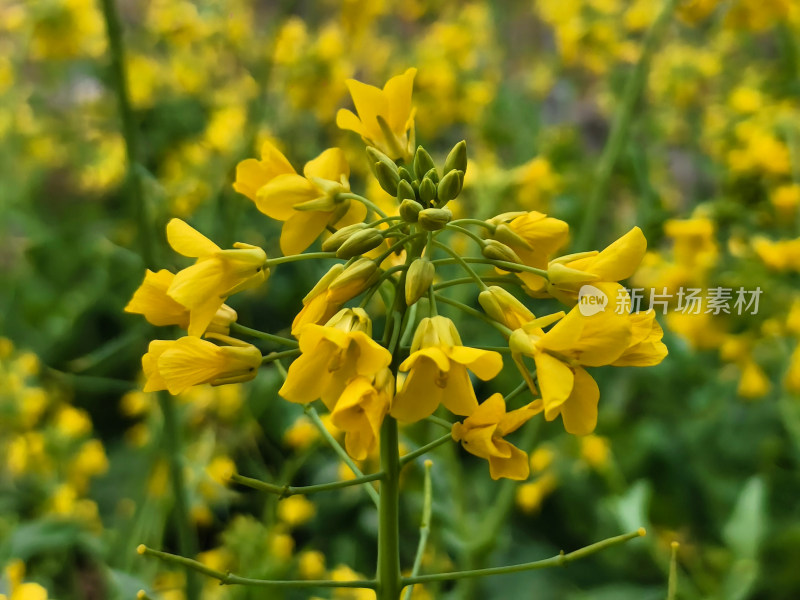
306, 299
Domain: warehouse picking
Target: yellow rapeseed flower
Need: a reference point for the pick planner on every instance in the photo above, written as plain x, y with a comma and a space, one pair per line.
217, 274
360, 412
482, 434
180, 364
385, 117
437, 372
331, 356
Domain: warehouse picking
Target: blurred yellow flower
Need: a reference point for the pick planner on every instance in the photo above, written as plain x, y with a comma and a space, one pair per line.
296, 510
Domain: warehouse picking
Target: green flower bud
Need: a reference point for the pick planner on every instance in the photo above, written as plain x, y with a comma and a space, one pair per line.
495, 250
387, 177
405, 191
360, 275
404, 174
504, 233
433, 219
409, 210
418, 279
457, 159
433, 175
333, 243
422, 162
359, 243
450, 186
427, 190
376, 156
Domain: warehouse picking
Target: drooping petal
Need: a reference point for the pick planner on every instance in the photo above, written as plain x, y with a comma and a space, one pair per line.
418, 398
486, 364
300, 231
186, 240
579, 412
306, 379
372, 356
516, 466
459, 395
555, 382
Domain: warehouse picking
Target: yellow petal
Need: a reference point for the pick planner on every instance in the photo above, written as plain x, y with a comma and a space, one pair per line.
300, 231
330, 165
621, 259
188, 362
398, 91
277, 198
420, 395
516, 466
306, 378
369, 102
579, 412
459, 396
489, 412
555, 382
187, 241
372, 356
151, 301
202, 314
346, 119
196, 284
355, 214
486, 364
515, 419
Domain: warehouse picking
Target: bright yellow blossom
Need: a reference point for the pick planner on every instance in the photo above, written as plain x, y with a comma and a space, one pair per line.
217, 274
307, 203
178, 365
437, 372
385, 117
482, 434
151, 301
331, 356
360, 412
646, 348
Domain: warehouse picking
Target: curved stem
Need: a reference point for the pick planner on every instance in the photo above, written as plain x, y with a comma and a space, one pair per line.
505, 265
314, 416
231, 579
463, 264
474, 313
273, 356
284, 491
478, 239
241, 329
407, 458
478, 222
296, 257
465, 280
556, 561
369, 204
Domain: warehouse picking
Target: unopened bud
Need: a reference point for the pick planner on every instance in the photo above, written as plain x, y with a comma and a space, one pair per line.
404, 174
409, 210
376, 156
457, 159
504, 308
503, 233
418, 279
495, 250
405, 191
433, 219
351, 319
433, 175
333, 243
427, 190
450, 186
422, 162
354, 279
387, 178
359, 243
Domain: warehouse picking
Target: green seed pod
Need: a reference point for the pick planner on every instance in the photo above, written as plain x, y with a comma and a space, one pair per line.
359, 243
418, 279
405, 191
433, 219
457, 159
495, 250
450, 186
409, 210
427, 190
333, 243
504, 233
387, 178
422, 162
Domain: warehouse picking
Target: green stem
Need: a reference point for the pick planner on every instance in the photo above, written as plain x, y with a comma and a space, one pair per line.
478, 222
231, 579
470, 271
401, 242
296, 257
388, 576
314, 416
555, 561
242, 330
273, 356
505, 265
116, 46
465, 280
284, 491
672, 586
407, 458
474, 313
619, 127
370, 205
478, 239
424, 528
440, 422
187, 536
522, 387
